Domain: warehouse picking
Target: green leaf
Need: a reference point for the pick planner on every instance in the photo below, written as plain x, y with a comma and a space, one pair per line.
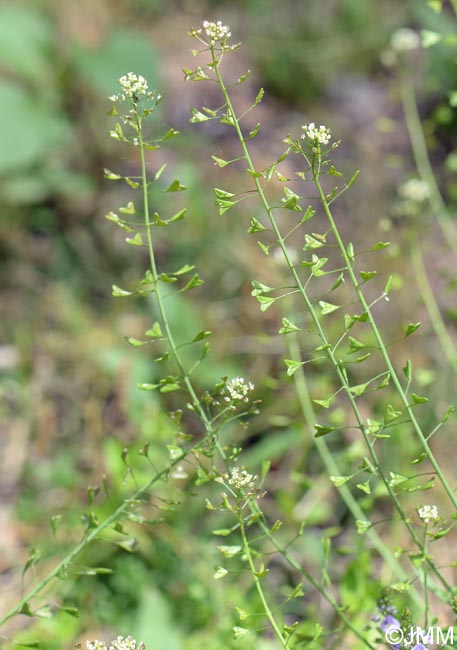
407, 370
133, 184
322, 430
367, 275
362, 526
220, 573
265, 302
203, 334
364, 487
155, 332
327, 307
252, 134
230, 551
355, 345
128, 209
338, 481
219, 161
325, 403
135, 241
412, 327
239, 631
417, 399
178, 216
184, 269
358, 390
429, 38
290, 201
259, 288
380, 245
391, 414
118, 292
265, 249
436, 5
176, 186
160, 171
198, 116
135, 342
259, 97
292, 366
288, 327
447, 415
111, 176
195, 281
170, 388
308, 214
255, 226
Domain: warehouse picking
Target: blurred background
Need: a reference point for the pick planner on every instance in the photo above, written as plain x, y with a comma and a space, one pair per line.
69, 405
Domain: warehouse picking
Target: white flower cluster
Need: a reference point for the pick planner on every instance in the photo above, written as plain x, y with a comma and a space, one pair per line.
427, 513
132, 86
238, 390
415, 190
405, 40
240, 478
319, 135
216, 32
120, 643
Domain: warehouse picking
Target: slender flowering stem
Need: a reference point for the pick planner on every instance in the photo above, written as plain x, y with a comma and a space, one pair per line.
215, 64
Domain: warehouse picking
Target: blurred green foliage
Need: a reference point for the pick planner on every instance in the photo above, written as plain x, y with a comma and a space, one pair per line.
72, 383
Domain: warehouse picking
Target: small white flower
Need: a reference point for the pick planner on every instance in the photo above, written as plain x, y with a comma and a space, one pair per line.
95, 645
132, 87
240, 478
216, 32
427, 513
318, 135
415, 190
405, 40
237, 390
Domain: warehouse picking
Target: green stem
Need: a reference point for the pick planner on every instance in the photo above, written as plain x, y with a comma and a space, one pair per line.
312, 311
257, 582
423, 164
62, 567
382, 347
428, 297
333, 469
